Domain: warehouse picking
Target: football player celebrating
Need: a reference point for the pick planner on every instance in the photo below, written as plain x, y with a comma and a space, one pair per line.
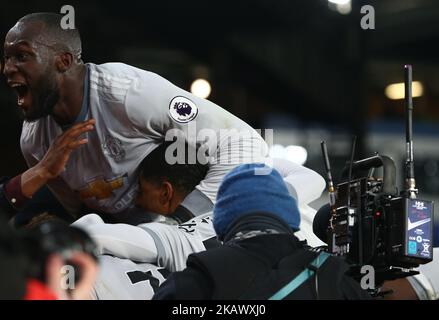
126, 113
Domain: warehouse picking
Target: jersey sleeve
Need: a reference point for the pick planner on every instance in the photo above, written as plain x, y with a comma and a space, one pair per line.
430, 272
120, 240
160, 110
155, 242
423, 287
304, 184
175, 243
307, 215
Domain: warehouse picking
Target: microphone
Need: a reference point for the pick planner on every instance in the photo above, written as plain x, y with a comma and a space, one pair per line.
321, 222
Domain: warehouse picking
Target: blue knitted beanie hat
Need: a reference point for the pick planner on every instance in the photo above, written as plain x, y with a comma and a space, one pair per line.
253, 188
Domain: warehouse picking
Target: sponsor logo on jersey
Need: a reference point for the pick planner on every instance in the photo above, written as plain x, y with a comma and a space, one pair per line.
101, 189
113, 148
182, 110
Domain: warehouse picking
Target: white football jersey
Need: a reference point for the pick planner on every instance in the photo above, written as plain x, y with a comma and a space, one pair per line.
175, 243
431, 271
159, 243
169, 245
122, 279
135, 110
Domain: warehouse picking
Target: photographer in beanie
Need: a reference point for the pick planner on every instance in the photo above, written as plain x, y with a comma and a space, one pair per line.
260, 258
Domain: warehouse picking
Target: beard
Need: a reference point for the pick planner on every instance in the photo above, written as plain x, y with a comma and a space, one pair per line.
44, 98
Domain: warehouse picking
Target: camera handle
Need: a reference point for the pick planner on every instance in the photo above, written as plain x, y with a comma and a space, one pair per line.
389, 171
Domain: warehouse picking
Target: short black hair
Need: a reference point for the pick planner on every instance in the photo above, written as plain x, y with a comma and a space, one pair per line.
183, 175
65, 39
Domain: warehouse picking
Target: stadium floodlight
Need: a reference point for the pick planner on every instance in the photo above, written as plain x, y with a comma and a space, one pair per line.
396, 91
201, 88
341, 6
296, 154
341, 2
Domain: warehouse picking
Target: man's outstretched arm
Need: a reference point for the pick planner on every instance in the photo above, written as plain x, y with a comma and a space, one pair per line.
166, 245
119, 240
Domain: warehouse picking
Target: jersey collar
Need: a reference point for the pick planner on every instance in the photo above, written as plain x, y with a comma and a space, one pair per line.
85, 101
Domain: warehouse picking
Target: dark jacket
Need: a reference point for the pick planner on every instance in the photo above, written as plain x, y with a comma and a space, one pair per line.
257, 267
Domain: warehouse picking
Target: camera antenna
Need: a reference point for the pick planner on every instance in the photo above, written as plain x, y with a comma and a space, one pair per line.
331, 189
409, 164
350, 217
354, 142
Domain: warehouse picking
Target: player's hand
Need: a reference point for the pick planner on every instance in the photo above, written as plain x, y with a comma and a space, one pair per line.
55, 159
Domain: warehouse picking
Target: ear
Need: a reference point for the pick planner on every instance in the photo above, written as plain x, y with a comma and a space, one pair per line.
64, 61
167, 192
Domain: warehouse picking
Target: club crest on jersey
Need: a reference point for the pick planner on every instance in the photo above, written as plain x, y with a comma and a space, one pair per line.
113, 147
182, 110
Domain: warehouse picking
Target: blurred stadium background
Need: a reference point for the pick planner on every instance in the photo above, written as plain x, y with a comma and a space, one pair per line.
304, 68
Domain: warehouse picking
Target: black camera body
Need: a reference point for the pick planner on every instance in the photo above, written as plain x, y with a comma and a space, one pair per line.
370, 222
372, 225
53, 237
